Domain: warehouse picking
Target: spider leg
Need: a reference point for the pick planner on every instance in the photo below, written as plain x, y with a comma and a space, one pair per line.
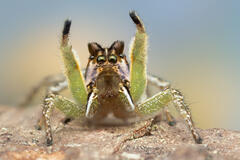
55, 89
157, 102
69, 108
138, 54
183, 109
73, 73
52, 80
161, 85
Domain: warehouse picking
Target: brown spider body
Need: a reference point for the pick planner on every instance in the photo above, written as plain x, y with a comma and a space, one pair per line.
107, 74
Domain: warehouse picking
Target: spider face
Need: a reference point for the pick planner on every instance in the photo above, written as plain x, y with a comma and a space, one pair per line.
107, 69
107, 77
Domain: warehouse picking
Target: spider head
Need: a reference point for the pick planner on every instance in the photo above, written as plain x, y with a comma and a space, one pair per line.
107, 68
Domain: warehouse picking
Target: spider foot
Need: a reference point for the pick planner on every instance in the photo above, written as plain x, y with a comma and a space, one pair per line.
135, 18
197, 138
172, 123
66, 120
66, 28
65, 32
38, 127
49, 142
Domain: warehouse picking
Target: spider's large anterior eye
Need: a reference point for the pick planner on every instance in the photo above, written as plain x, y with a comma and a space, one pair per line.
101, 59
112, 59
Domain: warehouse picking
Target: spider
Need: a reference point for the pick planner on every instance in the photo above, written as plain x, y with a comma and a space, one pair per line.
110, 85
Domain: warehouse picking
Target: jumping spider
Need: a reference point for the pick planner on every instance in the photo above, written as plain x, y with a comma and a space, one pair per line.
111, 85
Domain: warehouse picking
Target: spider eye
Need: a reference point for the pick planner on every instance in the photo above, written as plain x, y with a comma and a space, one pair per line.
91, 57
112, 59
101, 59
121, 55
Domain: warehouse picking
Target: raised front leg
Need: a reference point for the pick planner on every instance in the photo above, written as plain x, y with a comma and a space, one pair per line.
69, 108
138, 54
162, 99
72, 69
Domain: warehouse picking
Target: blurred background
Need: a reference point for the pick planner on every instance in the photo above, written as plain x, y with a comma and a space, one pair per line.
193, 44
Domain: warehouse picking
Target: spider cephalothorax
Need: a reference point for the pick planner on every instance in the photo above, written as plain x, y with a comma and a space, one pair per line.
112, 85
107, 80
106, 62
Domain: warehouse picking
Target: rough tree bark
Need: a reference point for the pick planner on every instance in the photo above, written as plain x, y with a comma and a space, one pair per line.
20, 140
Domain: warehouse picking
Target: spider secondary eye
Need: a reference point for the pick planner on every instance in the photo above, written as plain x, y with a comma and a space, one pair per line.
121, 55
112, 59
101, 59
91, 57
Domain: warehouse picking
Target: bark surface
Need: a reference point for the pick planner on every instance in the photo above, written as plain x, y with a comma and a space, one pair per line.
20, 140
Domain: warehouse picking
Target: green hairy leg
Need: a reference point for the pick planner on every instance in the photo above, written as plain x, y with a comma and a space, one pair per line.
72, 70
69, 108
154, 104
138, 77
162, 99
